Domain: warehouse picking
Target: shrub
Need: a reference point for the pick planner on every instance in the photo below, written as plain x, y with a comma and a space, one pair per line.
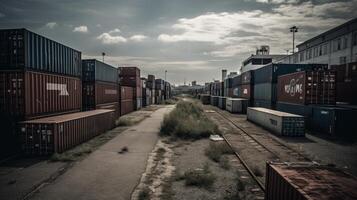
215, 151
200, 178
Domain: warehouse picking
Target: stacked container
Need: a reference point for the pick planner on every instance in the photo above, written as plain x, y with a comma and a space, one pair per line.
237, 105
146, 93
39, 77
100, 86
296, 92
126, 100
159, 91
265, 80
167, 91
346, 82
228, 87
150, 84
130, 77
297, 181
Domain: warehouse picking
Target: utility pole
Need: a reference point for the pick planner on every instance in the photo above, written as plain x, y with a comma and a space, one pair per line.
294, 29
103, 54
165, 74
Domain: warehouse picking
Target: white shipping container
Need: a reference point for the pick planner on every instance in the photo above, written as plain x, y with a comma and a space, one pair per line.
281, 123
236, 105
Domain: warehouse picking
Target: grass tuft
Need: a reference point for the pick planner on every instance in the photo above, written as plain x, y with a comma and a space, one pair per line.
187, 121
199, 177
144, 194
215, 151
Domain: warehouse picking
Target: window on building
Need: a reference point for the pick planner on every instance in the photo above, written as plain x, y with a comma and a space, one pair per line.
354, 38
324, 49
301, 56
308, 54
338, 44
343, 60
320, 50
316, 51
344, 42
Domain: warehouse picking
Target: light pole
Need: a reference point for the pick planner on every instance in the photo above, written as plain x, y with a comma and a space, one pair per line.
294, 29
165, 74
103, 54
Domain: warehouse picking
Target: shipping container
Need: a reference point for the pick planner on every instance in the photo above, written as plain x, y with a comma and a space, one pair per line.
94, 70
236, 80
237, 105
297, 109
98, 92
158, 96
263, 103
49, 135
159, 84
214, 100
129, 76
205, 99
265, 91
307, 87
127, 93
115, 106
229, 92
33, 94
222, 102
247, 77
334, 121
138, 103
129, 71
346, 92
270, 73
280, 123
153, 97
346, 72
245, 91
25, 50
126, 106
308, 181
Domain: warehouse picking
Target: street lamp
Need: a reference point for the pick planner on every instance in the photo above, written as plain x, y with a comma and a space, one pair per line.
165, 74
294, 29
103, 54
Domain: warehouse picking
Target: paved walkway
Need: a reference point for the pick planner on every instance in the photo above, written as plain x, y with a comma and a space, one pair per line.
106, 174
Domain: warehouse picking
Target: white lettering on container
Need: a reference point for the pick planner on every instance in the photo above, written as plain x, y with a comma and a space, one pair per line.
293, 87
58, 87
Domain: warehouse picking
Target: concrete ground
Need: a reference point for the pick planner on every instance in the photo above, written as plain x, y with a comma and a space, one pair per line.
106, 173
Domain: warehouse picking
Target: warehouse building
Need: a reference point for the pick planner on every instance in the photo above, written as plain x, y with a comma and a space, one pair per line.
334, 47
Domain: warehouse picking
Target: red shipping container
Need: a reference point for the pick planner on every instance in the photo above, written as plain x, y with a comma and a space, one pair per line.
95, 93
308, 181
127, 93
126, 106
56, 134
129, 71
34, 94
245, 91
307, 87
111, 106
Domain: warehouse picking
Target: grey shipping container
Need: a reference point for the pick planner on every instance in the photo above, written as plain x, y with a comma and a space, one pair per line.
23, 49
280, 123
205, 99
214, 100
263, 103
222, 102
265, 91
236, 80
237, 105
94, 70
56, 134
308, 181
297, 109
334, 121
270, 73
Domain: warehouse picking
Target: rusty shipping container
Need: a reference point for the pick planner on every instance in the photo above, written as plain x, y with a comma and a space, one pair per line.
126, 106
23, 49
131, 71
346, 72
56, 134
33, 94
129, 76
307, 87
280, 123
308, 181
127, 93
115, 106
99, 92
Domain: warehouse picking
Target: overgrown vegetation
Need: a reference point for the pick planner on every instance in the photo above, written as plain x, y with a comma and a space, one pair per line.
144, 194
238, 188
171, 101
123, 121
215, 151
199, 177
187, 121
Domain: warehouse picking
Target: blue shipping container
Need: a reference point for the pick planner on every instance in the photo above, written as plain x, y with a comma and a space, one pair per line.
23, 49
94, 70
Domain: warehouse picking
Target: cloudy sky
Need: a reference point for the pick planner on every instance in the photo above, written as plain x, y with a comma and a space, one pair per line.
191, 39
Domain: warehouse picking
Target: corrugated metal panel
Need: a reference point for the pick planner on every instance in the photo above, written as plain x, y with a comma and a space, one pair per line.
222, 102
94, 70
297, 109
265, 91
237, 105
126, 106
308, 181
21, 48
334, 121
33, 94
111, 106
214, 100
281, 123
308, 87
56, 134
127, 93
98, 92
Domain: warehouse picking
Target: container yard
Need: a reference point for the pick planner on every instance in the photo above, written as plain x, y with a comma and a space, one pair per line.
235, 100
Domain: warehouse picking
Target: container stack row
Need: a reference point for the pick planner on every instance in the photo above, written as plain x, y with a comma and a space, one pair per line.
307, 90
52, 100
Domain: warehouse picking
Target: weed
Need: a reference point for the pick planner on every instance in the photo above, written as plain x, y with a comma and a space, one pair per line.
215, 151
123, 121
199, 177
224, 163
187, 121
144, 194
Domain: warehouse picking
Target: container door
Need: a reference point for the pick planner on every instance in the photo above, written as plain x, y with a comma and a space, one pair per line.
88, 96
